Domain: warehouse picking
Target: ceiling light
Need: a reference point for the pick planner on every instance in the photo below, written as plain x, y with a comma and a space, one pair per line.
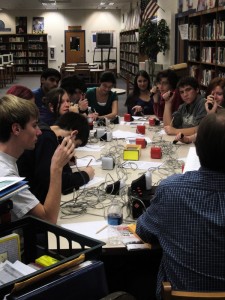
111, 3
102, 3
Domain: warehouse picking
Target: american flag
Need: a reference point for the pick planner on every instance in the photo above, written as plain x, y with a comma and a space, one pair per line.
148, 9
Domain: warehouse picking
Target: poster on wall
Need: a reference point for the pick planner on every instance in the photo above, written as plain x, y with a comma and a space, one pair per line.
38, 25
202, 5
21, 25
211, 4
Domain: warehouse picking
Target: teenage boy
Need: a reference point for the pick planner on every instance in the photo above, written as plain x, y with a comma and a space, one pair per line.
188, 116
19, 131
49, 80
35, 164
187, 217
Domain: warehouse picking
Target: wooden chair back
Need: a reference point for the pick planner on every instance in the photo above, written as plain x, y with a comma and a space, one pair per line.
169, 294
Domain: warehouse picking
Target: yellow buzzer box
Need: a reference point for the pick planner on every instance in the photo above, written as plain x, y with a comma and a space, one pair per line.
132, 152
46, 260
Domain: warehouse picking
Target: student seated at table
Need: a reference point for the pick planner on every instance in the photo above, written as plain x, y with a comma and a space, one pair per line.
55, 103
139, 102
215, 101
102, 100
186, 217
21, 92
164, 88
19, 131
76, 89
49, 80
188, 116
35, 164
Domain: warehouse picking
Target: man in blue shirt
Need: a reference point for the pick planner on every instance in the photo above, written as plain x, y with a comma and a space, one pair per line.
49, 80
187, 217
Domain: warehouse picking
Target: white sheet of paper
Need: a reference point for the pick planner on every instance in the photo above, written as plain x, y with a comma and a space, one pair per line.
119, 134
96, 180
141, 165
89, 147
83, 162
192, 162
89, 229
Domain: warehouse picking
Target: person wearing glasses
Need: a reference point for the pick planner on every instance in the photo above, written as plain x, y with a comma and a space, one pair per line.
188, 116
165, 88
104, 102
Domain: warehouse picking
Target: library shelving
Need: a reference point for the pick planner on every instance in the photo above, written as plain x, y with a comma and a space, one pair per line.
205, 45
30, 51
129, 54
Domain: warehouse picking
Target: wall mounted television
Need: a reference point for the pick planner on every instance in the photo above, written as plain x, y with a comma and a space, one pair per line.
6, 59
104, 39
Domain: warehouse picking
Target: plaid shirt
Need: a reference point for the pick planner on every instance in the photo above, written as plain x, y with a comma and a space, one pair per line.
187, 216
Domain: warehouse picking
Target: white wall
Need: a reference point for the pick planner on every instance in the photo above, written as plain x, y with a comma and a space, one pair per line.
56, 22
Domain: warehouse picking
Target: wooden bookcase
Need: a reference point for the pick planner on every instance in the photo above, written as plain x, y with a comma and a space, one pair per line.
129, 54
205, 45
30, 51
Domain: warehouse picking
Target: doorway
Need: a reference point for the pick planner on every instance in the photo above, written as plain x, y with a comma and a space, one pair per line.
75, 46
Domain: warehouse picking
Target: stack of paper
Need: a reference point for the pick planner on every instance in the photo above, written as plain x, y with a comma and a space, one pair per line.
10, 186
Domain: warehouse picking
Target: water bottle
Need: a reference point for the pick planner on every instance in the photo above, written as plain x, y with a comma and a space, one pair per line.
114, 218
90, 118
148, 180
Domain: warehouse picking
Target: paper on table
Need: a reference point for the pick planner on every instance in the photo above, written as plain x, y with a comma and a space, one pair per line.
92, 148
89, 229
192, 161
83, 162
141, 165
94, 181
119, 134
133, 140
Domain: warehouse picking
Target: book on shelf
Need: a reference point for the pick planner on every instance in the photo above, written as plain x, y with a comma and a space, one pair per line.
10, 186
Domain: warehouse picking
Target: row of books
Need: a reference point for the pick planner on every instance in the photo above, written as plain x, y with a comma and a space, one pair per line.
126, 38
206, 75
207, 54
214, 30
130, 48
132, 58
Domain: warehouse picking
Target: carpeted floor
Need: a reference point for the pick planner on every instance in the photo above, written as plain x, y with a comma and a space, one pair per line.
33, 81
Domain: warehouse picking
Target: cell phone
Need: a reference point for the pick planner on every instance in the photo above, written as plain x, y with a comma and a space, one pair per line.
210, 106
171, 94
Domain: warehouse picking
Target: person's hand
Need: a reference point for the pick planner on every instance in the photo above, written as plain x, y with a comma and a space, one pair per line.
168, 97
95, 116
154, 90
90, 171
180, 137
210, 104
136, 109
63, 153
170, 130
83, 104
74, 108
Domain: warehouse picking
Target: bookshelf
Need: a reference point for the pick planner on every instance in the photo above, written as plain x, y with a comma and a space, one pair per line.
205, 45
30, 51
129, 54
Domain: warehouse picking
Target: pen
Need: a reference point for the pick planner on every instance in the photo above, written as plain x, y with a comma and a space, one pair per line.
101, 229
89, 162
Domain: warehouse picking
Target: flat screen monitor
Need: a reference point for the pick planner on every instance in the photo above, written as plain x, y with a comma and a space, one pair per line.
104, 40
6, 59
1, 60
11, 57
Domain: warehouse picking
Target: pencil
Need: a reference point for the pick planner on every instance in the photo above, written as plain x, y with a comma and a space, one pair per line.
89, 162
101, 229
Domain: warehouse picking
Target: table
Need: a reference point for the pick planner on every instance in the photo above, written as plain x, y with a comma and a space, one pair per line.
134, 272
96, 73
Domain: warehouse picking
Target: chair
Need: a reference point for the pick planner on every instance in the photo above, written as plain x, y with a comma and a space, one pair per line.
169, 294
83, 74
